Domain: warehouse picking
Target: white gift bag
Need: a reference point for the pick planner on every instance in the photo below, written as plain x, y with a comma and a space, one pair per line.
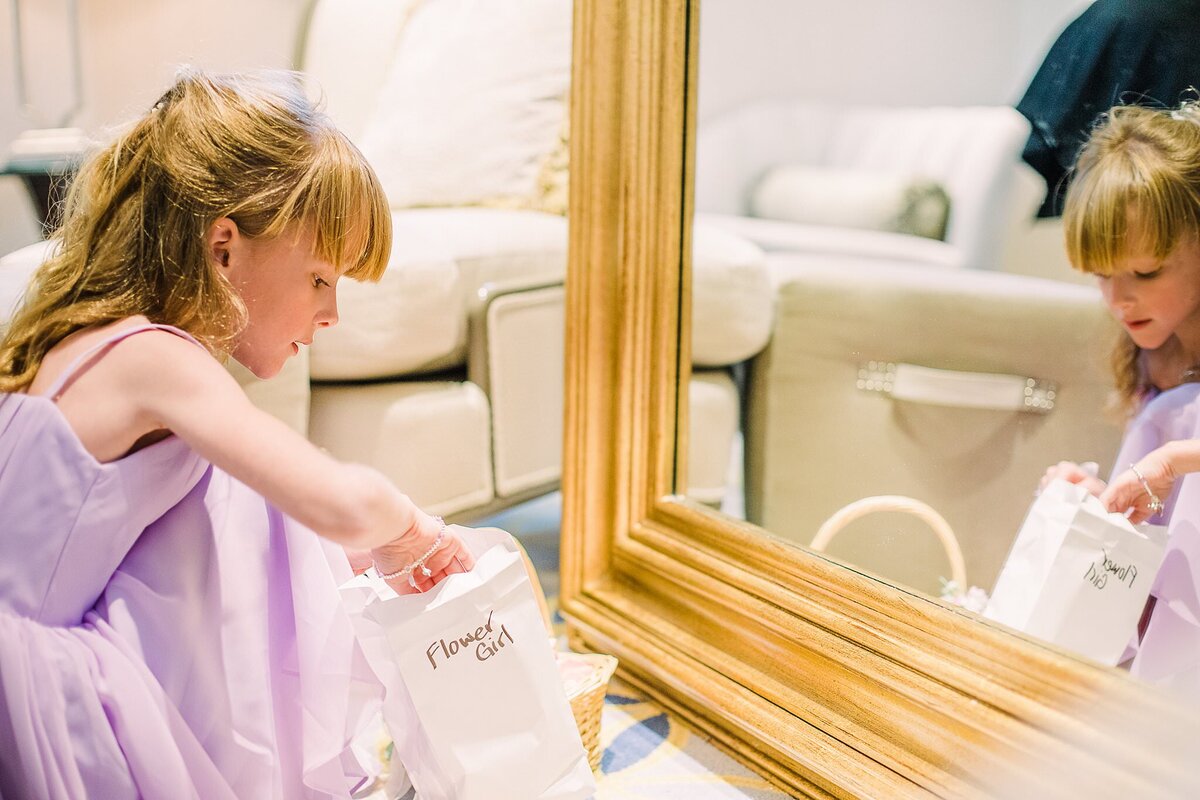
474, 701
1077, 575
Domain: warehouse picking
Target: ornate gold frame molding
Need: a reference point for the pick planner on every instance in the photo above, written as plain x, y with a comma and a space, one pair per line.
830, 683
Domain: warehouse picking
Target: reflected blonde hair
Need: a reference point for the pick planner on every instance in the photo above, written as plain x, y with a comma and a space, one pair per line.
250, 147
1136, 184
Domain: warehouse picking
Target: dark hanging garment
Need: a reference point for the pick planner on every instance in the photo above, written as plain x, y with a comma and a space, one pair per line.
1118, 52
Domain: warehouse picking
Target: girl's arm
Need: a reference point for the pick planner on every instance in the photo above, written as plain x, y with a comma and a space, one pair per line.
182, 388
1161, 468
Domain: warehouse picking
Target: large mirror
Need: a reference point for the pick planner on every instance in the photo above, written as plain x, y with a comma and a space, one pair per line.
826, 679
881, 288
921, 334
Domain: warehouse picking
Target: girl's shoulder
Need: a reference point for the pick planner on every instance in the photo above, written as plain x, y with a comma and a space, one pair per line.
155, 347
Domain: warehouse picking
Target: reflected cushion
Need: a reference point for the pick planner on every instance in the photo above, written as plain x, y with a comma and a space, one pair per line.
851, 198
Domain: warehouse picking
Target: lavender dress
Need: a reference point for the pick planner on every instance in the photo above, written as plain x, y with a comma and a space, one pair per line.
164, 632
1169, 650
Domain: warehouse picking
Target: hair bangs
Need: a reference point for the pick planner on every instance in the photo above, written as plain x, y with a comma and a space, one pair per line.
1124, 204
349, 212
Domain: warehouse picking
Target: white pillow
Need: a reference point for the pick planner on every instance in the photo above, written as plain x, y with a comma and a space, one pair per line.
474, 102
348, 51
845, 198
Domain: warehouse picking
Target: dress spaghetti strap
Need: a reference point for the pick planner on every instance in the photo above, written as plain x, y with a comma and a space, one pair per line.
84, 361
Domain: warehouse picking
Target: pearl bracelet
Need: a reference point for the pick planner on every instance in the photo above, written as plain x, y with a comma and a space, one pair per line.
419, 563
1154, 506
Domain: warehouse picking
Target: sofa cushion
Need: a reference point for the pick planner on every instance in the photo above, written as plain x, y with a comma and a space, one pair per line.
415, 319
474, 101
732, 299
852, 198
433, 440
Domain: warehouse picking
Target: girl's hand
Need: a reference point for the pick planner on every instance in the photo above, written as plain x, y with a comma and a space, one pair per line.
1074, 473
1127, 491
360, 560
450, 557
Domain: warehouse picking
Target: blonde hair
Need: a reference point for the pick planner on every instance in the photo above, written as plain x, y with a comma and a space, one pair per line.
1136, 184
250, 147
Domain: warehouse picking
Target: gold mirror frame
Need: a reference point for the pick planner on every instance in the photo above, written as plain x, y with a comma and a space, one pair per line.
828, 682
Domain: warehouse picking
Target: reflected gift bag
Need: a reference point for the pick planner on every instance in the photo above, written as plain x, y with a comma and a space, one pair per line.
1077, 575
473, 699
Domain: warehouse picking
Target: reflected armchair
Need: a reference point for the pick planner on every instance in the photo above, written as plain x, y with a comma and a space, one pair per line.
972, 153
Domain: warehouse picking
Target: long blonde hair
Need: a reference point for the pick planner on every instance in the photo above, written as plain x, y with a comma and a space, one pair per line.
1136, 183
250, 147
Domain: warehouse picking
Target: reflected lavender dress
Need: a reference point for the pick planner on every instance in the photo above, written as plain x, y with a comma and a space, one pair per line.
1169, 650
164, 632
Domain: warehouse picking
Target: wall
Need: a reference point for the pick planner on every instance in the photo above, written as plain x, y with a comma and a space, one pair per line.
129, 50
915, 52
890, 51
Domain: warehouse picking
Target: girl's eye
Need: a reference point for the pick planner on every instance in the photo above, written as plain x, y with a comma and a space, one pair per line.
1145, 276
319, 281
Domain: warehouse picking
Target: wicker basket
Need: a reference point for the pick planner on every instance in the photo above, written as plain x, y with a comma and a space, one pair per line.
585, 679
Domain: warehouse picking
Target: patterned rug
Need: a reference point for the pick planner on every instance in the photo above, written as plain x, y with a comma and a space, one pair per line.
650, 755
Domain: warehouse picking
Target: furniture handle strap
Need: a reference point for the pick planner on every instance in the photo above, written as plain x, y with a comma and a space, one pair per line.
871, 505
941, 387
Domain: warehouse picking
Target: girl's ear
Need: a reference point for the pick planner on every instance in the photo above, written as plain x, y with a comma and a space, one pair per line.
222, 238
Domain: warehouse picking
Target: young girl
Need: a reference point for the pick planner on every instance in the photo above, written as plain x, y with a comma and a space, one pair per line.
1132, 217
170, 626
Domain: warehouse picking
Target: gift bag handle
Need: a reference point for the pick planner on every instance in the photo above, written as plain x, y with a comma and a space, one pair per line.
871, 505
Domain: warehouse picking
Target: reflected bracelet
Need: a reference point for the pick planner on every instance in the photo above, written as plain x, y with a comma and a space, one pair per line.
418, 563
1155, 506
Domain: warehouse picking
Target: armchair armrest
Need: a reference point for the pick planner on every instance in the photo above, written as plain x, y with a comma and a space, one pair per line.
515, 355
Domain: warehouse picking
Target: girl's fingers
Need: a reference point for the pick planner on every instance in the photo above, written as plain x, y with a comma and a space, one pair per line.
449, 559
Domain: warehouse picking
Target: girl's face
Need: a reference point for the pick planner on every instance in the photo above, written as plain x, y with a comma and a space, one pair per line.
1154, 299
289, 293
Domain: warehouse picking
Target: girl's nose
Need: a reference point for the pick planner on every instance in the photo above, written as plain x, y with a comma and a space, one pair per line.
1117, 290
327, 316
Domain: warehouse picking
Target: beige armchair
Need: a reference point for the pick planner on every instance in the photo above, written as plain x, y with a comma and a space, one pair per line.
797, 176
